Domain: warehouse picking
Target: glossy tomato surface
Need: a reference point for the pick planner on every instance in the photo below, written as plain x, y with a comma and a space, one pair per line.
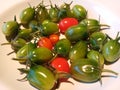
61, 64
65, 23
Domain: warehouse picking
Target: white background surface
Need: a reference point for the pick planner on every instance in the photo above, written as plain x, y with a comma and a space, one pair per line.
107, 5
112, 18
114, 5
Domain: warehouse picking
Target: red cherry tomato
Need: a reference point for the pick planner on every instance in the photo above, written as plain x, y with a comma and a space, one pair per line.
65, 23
54, 38
45, 42
61, 64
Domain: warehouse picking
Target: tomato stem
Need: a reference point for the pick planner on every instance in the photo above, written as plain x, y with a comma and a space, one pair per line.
110, 71
19, 59
29, 4
15, 18
5, 44
23, 70
104, 25
23, 79
109, 37
117, 37
71, 2
10, 53
51, 3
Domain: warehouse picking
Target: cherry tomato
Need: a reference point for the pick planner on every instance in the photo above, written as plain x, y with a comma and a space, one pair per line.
54, 38
85, 70
45, 42
27, 15
41, 78
61, 64
65, 23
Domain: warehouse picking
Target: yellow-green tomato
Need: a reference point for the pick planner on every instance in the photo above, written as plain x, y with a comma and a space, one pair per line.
62, 47
49, 28
53, 12
85, 70
76, 33
97, 40
23, 52
97, 56
10, 29
25, 34
79, 12
41, 78
79, 50
27, 15
17, 44
111, 50
40, 55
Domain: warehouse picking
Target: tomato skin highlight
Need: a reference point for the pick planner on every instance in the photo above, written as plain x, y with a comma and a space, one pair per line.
65, 23
61, 64
45, 42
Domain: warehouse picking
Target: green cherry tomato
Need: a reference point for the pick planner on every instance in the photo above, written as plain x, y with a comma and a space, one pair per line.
79, 12
76, 33
79, 50
41, 78
53, 12
27, 15
33, 25
50, 28
111, 50
85, 70
25, 34
45, 22
18, 43
40, 55
93, 25
62, 13
65, 11
23, 53
98, 57
97, 40
42, 13
10, 29
62, 47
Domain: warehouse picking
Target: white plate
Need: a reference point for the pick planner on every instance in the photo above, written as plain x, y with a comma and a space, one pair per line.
8, 68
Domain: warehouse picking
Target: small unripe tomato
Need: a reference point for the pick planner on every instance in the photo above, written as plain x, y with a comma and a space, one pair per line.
10, 28
27, 15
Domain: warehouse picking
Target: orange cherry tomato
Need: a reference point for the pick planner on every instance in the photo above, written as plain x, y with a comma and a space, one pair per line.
45, 42
54, 38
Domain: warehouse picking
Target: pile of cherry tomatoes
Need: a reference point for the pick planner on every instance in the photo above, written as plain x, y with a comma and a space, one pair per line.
58, 43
